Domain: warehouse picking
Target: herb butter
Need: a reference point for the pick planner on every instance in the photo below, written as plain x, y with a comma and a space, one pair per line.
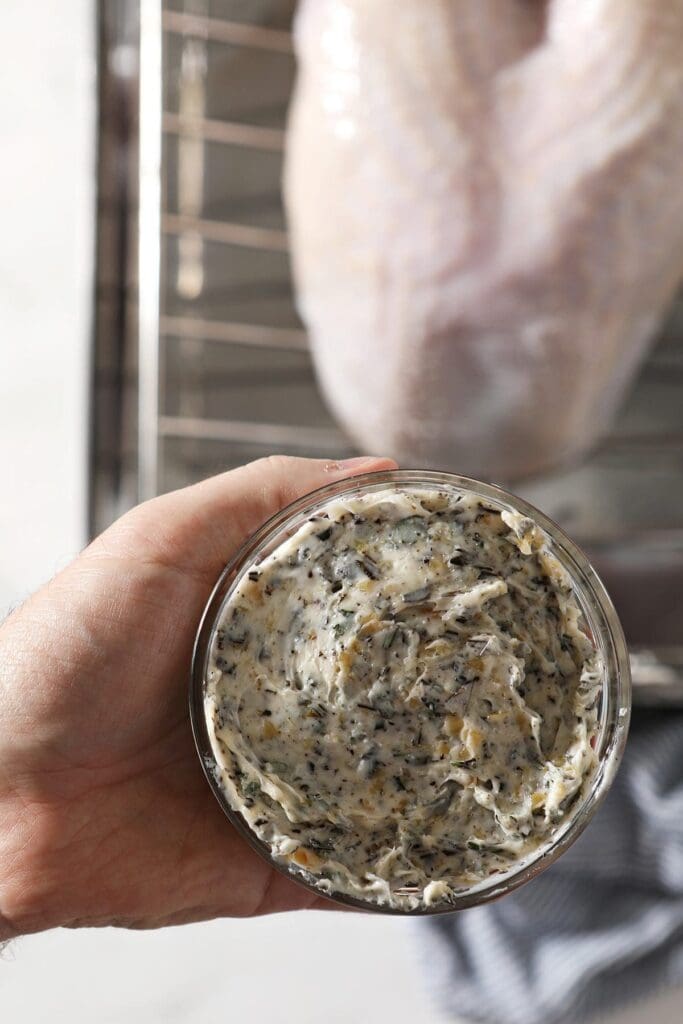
401, 698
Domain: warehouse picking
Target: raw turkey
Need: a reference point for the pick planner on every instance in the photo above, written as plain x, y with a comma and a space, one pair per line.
485, 200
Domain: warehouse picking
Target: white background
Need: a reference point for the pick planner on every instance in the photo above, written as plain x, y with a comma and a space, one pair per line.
291, 968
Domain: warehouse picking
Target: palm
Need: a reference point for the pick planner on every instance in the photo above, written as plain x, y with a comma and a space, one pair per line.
115, 819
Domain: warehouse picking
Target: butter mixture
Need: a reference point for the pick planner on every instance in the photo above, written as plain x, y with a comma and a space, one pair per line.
401, 698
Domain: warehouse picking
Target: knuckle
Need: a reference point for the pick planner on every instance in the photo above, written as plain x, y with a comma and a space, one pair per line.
280, 465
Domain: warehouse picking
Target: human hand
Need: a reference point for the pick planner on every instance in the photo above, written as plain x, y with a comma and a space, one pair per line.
105, 816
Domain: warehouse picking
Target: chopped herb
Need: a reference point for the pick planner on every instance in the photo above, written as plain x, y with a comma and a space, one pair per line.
321, 845
370, 568
389, 638
368, 765
237, 639
443, 801
409, 530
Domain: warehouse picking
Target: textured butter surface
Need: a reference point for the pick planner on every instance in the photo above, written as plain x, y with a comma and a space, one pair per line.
401, 698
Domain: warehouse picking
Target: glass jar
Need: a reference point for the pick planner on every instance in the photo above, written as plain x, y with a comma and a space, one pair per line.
599, 622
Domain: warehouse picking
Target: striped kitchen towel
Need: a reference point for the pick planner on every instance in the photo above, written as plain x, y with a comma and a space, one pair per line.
602, 927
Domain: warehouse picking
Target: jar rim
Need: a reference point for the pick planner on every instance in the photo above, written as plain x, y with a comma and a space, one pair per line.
594, 602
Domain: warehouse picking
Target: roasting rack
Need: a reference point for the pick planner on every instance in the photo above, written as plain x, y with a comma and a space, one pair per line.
200, 360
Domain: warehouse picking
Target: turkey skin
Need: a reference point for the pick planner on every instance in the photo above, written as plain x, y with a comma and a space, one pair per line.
485, 201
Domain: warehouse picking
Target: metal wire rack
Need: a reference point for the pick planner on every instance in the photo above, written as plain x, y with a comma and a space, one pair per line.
200, 360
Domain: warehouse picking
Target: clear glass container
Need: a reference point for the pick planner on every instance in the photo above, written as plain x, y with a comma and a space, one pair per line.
601, 624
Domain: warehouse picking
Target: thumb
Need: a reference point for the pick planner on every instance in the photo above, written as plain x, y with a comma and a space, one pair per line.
196, 530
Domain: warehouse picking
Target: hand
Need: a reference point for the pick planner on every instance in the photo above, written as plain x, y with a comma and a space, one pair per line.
105, 816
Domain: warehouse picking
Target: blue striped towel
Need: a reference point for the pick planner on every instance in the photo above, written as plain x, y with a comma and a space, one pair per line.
601, 928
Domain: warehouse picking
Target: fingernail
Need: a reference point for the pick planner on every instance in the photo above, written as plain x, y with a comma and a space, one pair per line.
355, 463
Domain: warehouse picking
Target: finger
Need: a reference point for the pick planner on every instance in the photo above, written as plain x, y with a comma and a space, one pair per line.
198, 529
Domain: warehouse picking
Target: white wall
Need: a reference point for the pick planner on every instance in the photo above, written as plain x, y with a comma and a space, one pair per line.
47, 112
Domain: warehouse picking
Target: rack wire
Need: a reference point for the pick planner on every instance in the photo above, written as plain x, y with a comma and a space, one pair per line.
200, 359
